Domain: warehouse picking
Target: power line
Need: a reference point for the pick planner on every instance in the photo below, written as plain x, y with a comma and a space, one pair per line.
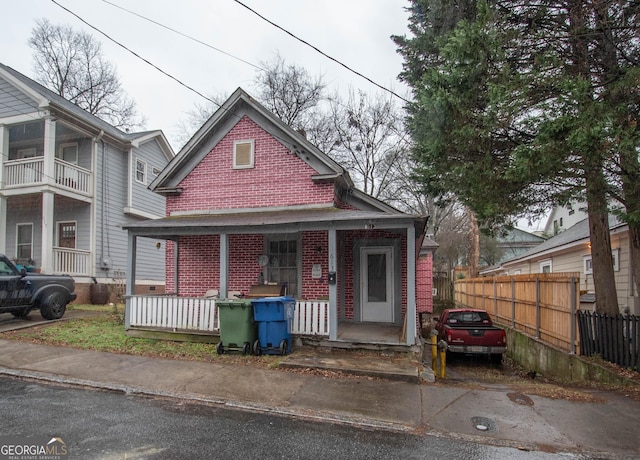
184, 35
321, 52
190, 88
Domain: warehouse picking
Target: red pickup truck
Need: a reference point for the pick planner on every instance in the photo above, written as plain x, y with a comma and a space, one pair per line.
470, 331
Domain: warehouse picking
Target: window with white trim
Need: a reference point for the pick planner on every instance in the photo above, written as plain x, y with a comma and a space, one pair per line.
141, 171
588, 262
27, 153
546, 266
68, 152
588, 265
283, 262
24, 241
243, 153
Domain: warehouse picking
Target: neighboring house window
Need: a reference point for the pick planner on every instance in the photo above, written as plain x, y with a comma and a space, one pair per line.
67, 235
588, 262
27, 153
561, 222
616, 258
546, 266
283, 263
516, 272
68, 153
243, 154
24, 241
141, 171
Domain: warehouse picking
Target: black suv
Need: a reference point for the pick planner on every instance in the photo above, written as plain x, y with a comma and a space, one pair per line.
20, 291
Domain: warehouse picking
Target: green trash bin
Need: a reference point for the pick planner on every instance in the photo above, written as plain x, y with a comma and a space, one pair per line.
238, 330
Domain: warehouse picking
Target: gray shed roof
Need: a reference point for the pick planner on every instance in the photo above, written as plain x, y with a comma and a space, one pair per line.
573, 234
274, 221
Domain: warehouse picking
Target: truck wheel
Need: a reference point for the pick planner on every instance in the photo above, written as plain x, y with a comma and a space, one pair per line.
53, 306
22, 312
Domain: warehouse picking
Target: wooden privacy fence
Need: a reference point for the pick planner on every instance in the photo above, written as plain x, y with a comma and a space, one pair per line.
614, 338
540, 305
442, 286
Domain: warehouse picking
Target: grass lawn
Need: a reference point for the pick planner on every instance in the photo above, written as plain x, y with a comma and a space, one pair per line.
105, 332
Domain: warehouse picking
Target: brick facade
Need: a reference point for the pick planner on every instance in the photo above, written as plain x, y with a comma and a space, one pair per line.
278, 178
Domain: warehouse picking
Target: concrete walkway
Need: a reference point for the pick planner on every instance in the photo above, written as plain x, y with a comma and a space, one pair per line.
489, 414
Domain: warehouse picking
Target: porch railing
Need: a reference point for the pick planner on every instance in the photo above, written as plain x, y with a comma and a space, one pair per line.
27, 171
71, 261
30, 171
72, 177
311, 318
168, 312
201, 314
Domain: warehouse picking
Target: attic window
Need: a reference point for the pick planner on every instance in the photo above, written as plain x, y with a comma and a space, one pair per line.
243, 154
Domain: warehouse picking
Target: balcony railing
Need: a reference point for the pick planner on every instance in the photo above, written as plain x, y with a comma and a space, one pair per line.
73, 262
72, 177
30, 171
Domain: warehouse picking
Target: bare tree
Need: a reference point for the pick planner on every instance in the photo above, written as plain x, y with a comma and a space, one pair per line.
196, 117
297, 98
371, 141
72, 64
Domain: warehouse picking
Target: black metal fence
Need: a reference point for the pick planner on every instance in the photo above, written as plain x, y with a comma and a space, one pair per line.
614, 338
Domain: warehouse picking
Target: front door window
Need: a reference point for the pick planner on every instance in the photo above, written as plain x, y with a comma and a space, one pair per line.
376, 284
67, 235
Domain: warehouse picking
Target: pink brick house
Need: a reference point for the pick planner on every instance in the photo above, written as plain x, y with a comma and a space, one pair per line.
249, 201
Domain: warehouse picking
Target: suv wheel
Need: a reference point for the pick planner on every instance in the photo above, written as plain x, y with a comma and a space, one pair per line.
53, 306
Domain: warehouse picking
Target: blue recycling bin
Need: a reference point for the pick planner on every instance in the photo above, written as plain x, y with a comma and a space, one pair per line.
274, 317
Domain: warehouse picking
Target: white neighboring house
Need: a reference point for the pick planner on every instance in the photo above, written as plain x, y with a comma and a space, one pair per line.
570, 251
69, 182
562, 218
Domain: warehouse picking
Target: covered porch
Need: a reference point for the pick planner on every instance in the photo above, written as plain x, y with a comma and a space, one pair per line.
329, 289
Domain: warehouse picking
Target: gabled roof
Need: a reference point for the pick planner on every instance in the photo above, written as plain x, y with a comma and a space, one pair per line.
44, 98
238, 105
576, 234
241, 104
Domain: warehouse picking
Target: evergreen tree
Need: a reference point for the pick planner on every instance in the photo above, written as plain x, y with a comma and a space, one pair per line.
524, 105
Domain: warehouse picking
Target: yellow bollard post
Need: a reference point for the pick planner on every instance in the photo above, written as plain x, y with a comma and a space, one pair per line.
443, 364
434, 352
442, 347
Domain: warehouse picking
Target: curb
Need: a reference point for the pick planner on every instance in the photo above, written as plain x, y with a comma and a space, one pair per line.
306, 414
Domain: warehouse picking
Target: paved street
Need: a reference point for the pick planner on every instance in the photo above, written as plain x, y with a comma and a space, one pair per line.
108, 425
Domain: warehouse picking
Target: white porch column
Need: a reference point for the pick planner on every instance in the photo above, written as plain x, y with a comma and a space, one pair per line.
48, 172
411, 285
224, 265
4, 153
333, 286
130, 288
48, 225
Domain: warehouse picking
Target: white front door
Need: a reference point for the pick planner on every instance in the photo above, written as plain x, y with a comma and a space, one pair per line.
376, 286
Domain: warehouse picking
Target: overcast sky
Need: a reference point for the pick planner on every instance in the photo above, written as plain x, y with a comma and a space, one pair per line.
355, 32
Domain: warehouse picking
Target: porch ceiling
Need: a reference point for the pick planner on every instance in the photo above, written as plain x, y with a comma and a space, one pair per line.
274, 221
